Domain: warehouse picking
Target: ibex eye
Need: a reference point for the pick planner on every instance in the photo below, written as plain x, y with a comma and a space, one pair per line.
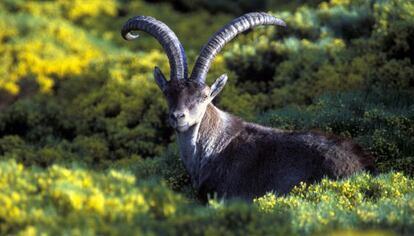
202, 98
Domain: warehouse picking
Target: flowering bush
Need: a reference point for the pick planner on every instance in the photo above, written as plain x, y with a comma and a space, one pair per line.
360, 201
337, 46
59, 200
84, 144
77, 201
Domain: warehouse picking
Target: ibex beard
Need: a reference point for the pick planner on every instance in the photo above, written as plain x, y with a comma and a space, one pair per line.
225, 155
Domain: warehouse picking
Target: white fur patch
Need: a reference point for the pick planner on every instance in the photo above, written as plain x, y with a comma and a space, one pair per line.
196, 150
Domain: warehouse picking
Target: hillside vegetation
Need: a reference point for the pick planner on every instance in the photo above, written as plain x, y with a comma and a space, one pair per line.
85, 148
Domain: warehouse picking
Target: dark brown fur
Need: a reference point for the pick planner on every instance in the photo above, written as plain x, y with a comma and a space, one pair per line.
260, 159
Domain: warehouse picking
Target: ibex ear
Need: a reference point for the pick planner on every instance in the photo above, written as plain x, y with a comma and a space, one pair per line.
218, 85
160, 78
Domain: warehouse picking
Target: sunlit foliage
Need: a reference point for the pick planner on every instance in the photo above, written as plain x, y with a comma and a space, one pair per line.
340, 45
84, 144
360, 201
76, 201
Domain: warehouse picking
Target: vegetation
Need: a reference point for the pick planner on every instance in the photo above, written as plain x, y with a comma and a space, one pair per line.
84, 144
381, 124
59, 200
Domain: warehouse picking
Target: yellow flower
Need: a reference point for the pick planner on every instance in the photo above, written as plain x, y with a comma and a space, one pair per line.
169, 209
96, 202
10, 87
29, 231
339, 2
45, 83
75, 200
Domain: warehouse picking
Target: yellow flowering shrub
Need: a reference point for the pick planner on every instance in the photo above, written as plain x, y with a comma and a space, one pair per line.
61, 200
56, 199
91, 154
360, 200
72, 9
42, 49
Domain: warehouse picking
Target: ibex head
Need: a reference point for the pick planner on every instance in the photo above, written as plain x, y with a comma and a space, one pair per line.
188, 98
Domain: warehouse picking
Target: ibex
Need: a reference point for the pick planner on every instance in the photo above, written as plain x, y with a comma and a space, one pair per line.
224, 154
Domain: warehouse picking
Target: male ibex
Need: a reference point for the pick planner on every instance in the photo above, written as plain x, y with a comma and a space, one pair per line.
224, 154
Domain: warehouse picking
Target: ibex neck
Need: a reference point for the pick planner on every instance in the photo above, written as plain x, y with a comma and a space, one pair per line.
214, 132
206, 139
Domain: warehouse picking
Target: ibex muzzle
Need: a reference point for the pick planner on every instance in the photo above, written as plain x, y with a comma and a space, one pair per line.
224, 154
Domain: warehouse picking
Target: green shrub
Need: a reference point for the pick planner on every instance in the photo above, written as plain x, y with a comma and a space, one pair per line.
361, 201
60, 200
237, 7
85, 147
115, 111
383, 124
340, 45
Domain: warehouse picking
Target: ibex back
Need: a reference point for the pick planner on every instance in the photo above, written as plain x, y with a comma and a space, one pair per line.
224, 154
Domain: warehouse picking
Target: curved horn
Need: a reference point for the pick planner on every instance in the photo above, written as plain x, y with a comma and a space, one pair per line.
165, 36
224, 35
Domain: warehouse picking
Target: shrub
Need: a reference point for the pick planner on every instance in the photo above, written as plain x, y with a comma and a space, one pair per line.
361, 201
340, 45
382, 124
84, 143
60, 200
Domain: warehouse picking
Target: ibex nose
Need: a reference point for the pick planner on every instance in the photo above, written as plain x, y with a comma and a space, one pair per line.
177, 115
